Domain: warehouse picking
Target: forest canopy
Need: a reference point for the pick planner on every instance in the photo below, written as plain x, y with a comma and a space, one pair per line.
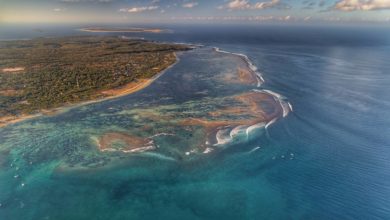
46, 73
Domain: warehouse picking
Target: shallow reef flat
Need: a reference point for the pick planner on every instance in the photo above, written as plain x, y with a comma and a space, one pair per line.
231, 115
186, 113
207, 104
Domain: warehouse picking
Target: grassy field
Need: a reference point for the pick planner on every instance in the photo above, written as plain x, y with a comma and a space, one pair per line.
47, 73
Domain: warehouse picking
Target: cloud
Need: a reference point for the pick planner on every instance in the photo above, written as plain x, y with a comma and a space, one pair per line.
309, 4
59, 9
361, 5
77, 1
237, 4
245, 4
138, 9
190, 4
287, 18
264, 5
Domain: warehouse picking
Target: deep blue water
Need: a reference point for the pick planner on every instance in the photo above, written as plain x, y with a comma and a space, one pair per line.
328, 159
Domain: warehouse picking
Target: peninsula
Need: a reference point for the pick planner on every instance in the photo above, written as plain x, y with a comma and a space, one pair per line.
47, 73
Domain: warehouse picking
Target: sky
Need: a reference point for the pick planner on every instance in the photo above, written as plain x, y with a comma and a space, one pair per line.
194, 11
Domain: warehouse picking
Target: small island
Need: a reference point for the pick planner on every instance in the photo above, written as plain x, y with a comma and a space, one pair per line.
43, 74
123, 30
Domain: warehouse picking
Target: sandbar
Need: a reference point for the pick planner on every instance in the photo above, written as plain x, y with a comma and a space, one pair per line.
13, 69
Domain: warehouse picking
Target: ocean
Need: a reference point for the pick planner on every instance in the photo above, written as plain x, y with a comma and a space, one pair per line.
328, 158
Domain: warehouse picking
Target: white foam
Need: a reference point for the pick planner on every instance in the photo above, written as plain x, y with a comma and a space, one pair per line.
289, 105
277, 95
286, 106
136, 150
159, 156
238, 130
208, 150
227, 135
253, 127
222, 137
141, 149
162, 134
190, 152
191, 45
254, 149
270, 122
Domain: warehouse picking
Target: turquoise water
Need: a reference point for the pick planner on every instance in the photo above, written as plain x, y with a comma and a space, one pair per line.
327, 159
53, 167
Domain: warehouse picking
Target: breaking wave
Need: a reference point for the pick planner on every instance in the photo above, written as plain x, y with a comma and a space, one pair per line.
252, 67
241, 133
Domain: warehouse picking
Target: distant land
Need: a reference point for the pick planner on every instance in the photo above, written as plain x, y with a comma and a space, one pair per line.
44, 74
129, 30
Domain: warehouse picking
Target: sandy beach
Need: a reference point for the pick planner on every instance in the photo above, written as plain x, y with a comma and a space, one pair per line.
112, 93
13, 69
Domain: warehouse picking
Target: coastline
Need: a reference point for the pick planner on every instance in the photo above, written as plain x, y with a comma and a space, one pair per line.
219, 132
128, 89
134, 87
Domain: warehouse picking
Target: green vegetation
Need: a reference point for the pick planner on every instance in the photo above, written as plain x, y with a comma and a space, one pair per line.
56, 71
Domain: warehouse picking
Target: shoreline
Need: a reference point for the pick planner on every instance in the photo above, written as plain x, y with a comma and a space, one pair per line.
220, 133
127, 89
134, 87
